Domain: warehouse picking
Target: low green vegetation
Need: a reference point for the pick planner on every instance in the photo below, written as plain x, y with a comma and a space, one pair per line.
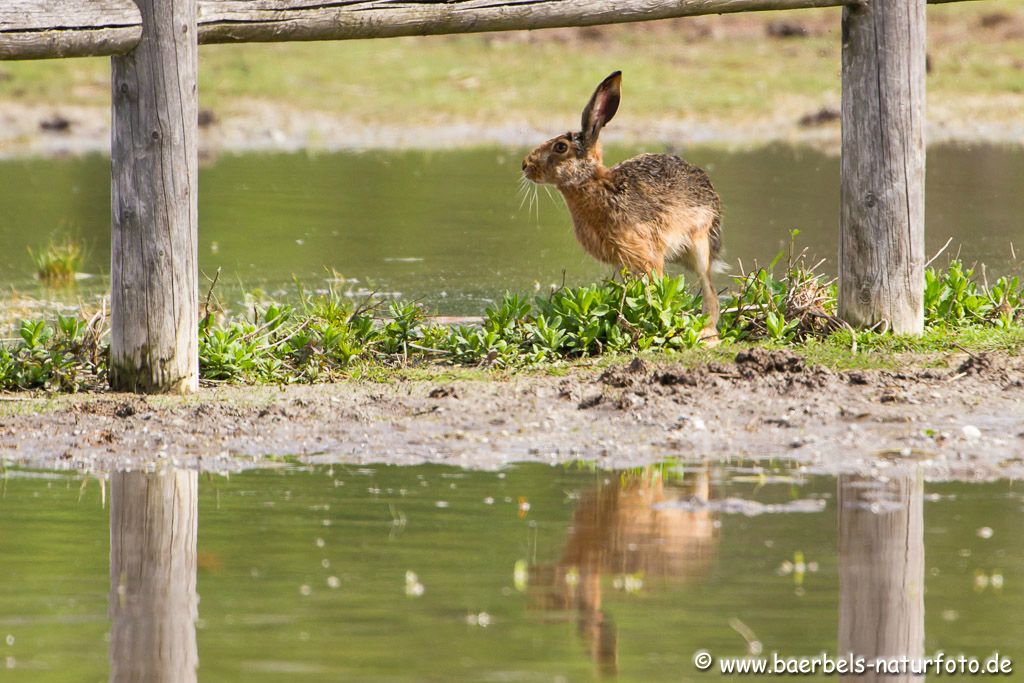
327, 336
58, 262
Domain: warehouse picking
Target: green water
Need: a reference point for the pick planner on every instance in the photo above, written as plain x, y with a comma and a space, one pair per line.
447, 228
302, 572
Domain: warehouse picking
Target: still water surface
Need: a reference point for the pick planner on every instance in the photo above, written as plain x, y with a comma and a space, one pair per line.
532, 573
447, 228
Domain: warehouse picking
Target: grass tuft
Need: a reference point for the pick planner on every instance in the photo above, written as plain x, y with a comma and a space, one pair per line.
58, 263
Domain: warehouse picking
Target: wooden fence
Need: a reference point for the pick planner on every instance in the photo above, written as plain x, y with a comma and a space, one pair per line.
153, 45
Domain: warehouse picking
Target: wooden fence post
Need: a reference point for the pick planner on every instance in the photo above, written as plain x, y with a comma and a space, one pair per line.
881, 243
154, 177
154, 521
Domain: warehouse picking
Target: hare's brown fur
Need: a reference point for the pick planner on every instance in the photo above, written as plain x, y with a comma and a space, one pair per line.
640, 213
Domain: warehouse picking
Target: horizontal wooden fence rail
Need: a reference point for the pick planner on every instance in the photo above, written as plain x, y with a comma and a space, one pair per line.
41, 29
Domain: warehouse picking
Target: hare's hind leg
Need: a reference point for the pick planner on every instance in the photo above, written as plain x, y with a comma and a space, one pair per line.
700, 261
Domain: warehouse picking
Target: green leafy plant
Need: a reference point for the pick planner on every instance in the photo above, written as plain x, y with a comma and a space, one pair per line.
326, 335
952, 297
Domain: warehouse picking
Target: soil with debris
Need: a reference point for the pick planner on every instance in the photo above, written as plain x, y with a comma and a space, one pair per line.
962, 421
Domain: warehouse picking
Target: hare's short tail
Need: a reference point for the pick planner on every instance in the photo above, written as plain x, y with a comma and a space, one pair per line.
715, 239
716, 236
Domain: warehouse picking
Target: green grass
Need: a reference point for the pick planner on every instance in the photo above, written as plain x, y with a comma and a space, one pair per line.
710, 67
58, 262
326, 337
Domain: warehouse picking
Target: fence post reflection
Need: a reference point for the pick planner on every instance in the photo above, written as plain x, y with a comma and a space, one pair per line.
881, 571
153, 604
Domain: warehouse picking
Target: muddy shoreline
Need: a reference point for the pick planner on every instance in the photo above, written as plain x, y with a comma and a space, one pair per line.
963, 420
29, 130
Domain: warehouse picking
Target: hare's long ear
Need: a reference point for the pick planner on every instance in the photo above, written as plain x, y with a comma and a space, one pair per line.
601, 108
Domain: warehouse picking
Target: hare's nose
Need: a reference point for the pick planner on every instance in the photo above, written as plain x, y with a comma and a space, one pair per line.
525, 164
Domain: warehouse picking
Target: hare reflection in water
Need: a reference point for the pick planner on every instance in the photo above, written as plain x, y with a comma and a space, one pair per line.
617, 531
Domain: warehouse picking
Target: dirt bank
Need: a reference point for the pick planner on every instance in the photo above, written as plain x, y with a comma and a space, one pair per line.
963, 420
261, 126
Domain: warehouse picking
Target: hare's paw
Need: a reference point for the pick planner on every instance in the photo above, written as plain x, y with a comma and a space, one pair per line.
709, 337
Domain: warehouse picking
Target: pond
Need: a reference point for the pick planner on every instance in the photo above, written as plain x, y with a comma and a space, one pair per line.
448, 228
530, 573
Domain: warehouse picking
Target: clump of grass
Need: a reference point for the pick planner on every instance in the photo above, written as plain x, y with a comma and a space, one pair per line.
327, 336
795, 306
798, 305
58, 263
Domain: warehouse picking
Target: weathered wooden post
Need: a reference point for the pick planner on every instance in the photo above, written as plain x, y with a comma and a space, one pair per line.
153, 603
881, 244
881, 572
154, 178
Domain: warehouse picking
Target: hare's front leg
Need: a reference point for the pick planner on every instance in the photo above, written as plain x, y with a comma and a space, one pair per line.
699, 260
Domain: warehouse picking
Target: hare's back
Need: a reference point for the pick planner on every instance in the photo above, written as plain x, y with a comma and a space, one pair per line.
666, 177
666, 189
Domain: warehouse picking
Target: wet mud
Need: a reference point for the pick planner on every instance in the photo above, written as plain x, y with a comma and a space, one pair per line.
962, 419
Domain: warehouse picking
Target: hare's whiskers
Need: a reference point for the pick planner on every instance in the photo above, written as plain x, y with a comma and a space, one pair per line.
550, 196
523, 191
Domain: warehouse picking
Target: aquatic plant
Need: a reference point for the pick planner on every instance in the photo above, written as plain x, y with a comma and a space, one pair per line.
58, 262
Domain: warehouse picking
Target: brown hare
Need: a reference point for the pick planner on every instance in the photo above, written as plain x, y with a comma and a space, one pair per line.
639, 213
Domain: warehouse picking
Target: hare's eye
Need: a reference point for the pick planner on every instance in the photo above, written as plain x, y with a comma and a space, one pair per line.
561, 147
